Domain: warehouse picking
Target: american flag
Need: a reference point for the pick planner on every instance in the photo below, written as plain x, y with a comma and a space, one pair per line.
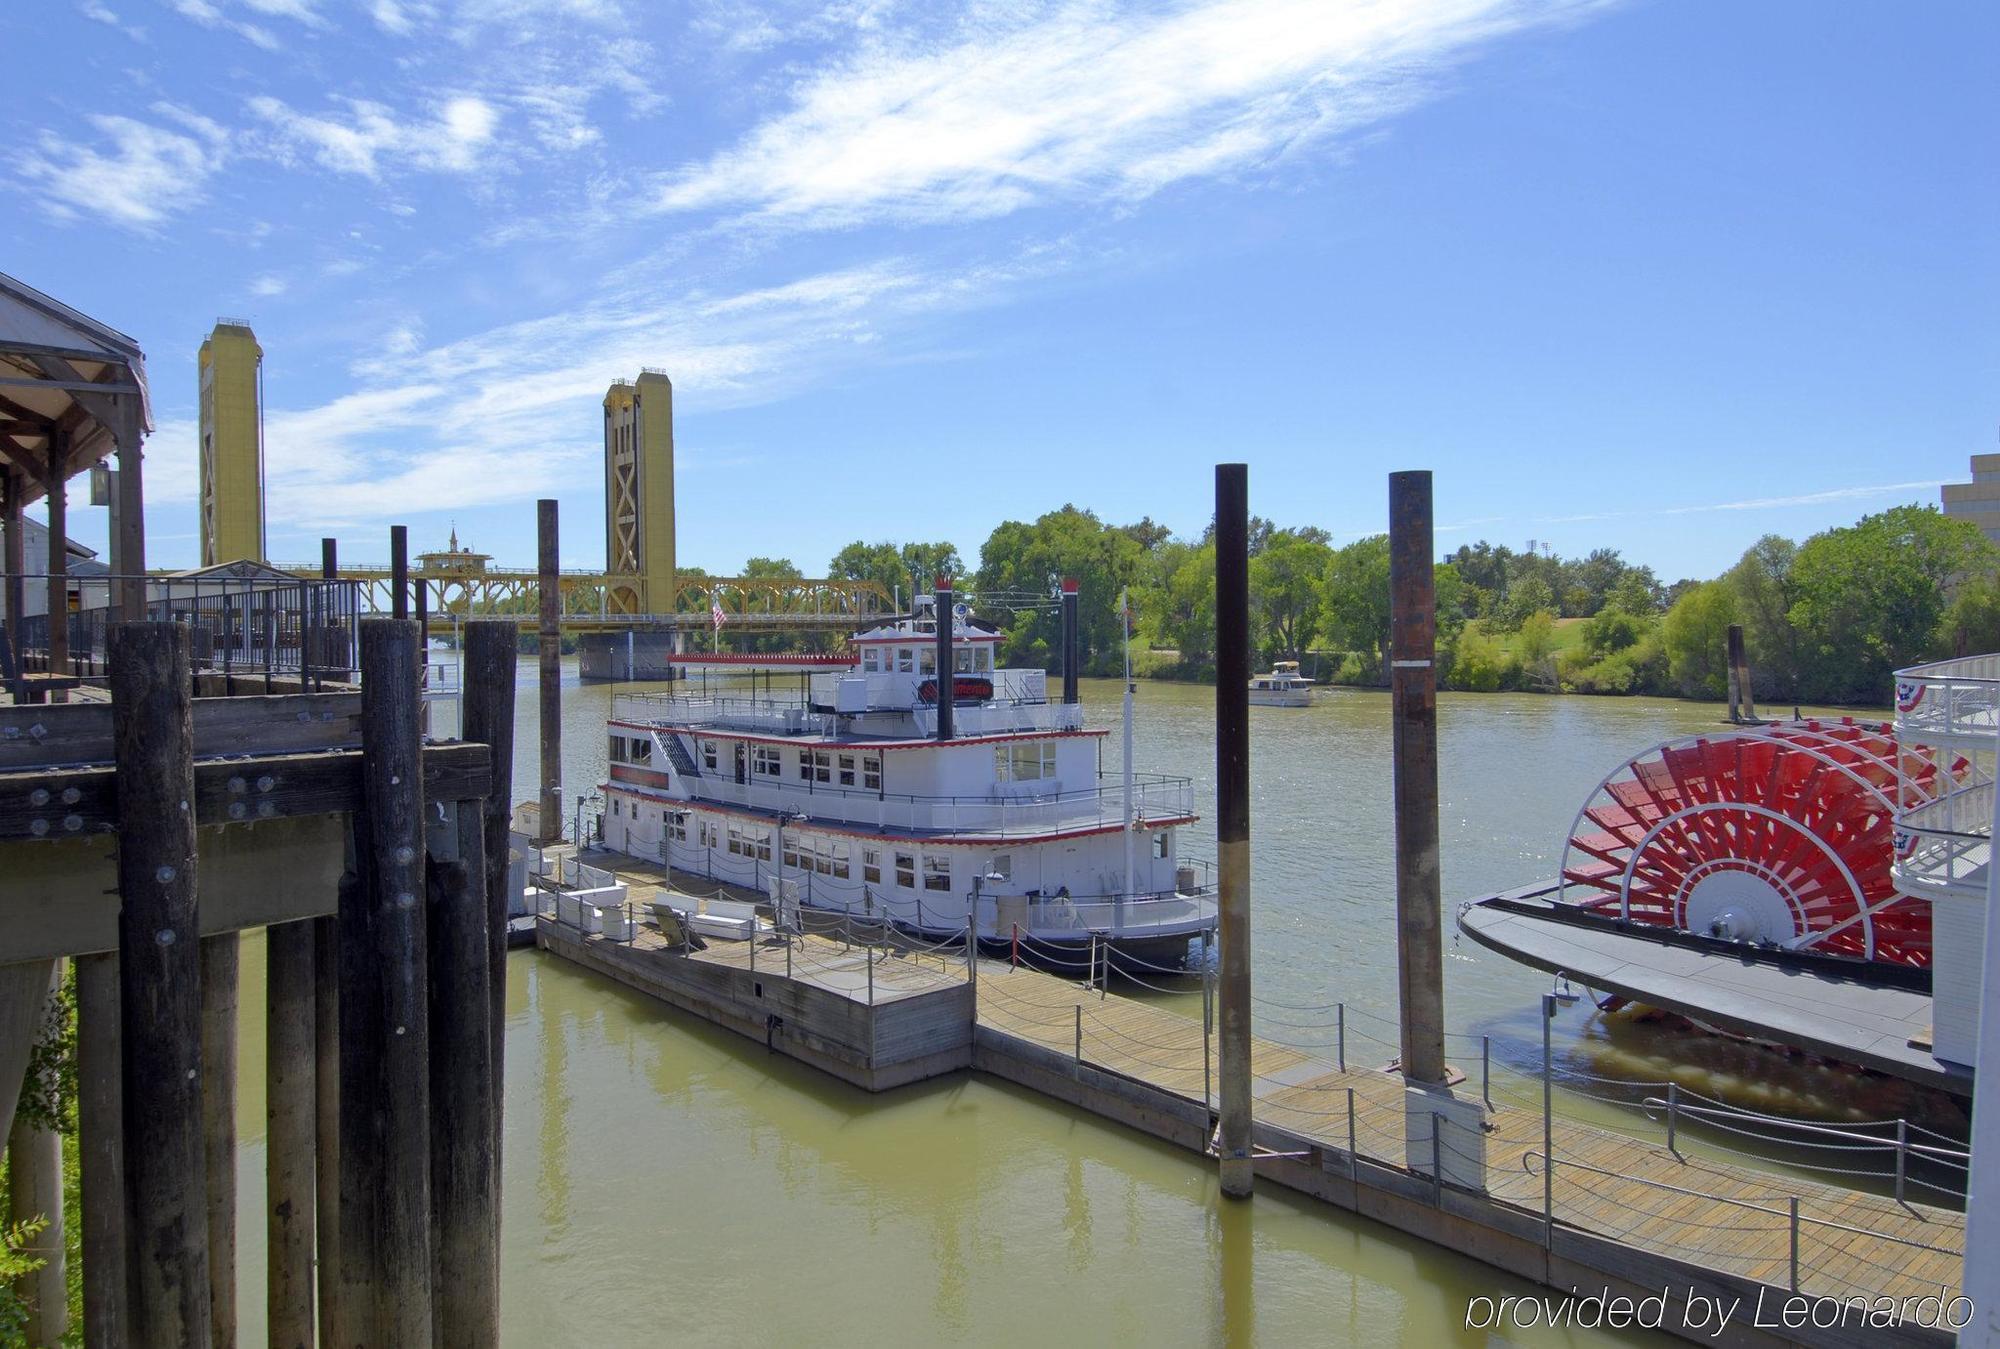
715, 614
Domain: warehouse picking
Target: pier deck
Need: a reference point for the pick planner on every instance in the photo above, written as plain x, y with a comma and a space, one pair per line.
1629, 1215
1690, 1210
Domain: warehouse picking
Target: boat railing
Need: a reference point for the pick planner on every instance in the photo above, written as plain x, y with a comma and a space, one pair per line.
1104, 916
1949, 701
1154, 797
770, 716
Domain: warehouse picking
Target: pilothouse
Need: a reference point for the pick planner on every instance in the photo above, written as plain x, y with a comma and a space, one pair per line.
869, 794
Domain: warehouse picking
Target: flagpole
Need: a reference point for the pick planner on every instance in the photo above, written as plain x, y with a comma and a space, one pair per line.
1125, 620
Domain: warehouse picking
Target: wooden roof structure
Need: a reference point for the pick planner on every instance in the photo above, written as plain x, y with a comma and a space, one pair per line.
71, 388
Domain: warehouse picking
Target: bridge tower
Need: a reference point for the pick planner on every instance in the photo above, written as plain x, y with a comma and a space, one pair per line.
639, 492
232, 445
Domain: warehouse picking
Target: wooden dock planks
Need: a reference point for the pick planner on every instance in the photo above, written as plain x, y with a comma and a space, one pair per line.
1606, 1184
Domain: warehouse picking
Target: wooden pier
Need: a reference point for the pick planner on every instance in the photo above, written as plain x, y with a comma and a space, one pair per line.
1618, 1213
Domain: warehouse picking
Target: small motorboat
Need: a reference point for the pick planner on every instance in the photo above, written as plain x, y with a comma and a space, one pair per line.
1283, 687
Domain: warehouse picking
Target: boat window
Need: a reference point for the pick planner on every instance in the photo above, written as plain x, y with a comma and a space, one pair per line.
871, 659
871, 865
677, 826
795, 851
642, 750
1160, 845
871, 772
906, 870
926, 660
816, 765
986, 655
766, 760
614, 807
1002, 866
708, 752
962, 659
937, 871
618, 749
710, 835
906, 660
1024, 760
847, 770
748, 841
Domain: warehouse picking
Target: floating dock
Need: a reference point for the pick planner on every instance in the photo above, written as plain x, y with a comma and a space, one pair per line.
1617, 1214
1879, 1026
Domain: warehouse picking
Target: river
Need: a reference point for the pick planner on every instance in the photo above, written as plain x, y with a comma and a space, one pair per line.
667, 1183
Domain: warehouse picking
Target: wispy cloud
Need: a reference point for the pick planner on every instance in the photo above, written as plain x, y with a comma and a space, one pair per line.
1819, 498
210, 15
1086, 100
451, 138
135, 174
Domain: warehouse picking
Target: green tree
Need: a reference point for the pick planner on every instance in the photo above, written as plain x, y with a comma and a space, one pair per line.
1762, 583
1176, 603
1031, 559
1869, 598
1525, 597
1287, 590
1355, 608
1696, 635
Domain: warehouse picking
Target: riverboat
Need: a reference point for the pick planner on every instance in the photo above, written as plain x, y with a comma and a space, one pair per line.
866, 795
1284, 686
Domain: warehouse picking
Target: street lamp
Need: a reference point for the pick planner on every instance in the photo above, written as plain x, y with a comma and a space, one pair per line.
972, 920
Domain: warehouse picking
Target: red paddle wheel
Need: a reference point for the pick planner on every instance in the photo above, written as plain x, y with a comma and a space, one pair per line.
1772, 835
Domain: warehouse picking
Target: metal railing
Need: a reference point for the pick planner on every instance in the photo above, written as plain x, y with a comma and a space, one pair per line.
1949, 701
1154, 797
247, 627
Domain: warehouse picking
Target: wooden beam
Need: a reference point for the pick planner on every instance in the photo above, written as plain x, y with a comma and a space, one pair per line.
385, 1127
72, 386
159, 967
21, 412
80, 733
291, 1134
57, 803
221, 958
101, 1150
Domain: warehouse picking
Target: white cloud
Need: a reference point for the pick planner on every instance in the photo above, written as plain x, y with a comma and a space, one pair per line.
1819, 498
99, 12
268, 285
145, 173
213, 16
451, 139
1087, 101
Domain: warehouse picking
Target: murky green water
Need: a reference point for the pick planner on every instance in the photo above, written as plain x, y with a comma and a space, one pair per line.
670, 1184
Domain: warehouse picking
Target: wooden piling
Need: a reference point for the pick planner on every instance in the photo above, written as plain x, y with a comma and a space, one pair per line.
14, 541
463, 1216
1742, 706
326, 1077
35, 1190
1232, 817
549, 587
491, 658
947, 682
291, 1131
159, 969
1413, 705
101, 1152
220, 960
385, 1255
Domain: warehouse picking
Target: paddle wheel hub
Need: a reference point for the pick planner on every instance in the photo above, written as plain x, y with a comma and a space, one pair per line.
1778, 835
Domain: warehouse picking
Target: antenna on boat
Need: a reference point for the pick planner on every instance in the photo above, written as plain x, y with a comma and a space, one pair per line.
1125, 621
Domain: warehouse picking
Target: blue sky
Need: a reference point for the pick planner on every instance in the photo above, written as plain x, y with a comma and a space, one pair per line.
1659, 276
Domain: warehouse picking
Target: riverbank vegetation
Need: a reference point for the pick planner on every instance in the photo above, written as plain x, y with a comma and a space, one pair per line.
1826, 620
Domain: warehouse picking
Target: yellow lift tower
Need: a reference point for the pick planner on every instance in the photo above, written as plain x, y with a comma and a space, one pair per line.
639, 492
232, 445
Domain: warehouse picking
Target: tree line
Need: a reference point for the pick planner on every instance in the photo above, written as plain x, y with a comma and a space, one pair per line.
1825, 620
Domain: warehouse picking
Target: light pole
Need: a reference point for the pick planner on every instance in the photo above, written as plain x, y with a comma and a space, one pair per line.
972, 922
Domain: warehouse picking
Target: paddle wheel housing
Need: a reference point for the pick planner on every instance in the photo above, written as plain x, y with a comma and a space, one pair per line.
1778, 835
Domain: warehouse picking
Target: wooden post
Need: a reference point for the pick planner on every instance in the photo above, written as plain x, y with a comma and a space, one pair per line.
1413, 707
56, 484
549, 587
101, 1152
492, 654
291, 1126
13, 493
220, 957
1232, 817
463, 1090
35, 1190
1742, 705
385, 1182
159, 969
326, 1067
